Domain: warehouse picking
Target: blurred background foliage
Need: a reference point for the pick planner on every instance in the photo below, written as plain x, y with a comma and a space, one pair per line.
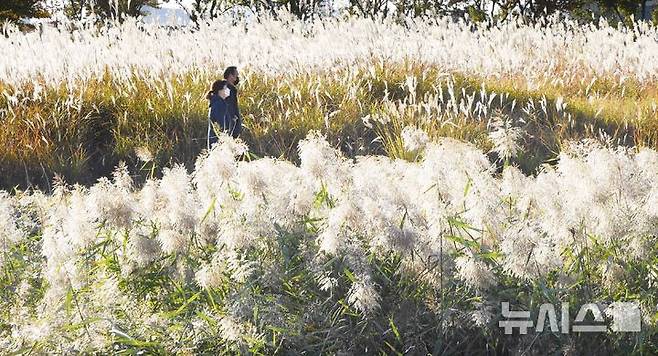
492, 11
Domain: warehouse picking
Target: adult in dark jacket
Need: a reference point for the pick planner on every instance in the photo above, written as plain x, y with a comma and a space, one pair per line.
218, 110
232, 107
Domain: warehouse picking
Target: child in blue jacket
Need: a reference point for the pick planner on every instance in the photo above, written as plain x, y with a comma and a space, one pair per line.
217, 113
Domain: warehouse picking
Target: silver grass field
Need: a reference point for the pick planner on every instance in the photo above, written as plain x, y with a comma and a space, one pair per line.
537, 184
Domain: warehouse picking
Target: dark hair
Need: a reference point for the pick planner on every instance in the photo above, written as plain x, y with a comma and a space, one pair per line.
230, 70
217, 85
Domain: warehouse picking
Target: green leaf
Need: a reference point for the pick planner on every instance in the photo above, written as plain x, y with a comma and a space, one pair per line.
68, 301
404, 217
468, 186
393, 348
460, 240
394, 329
492, 255
76, 326
211, 208
349, 275
178, 311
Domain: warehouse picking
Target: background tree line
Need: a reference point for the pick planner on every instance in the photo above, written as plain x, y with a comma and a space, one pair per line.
204, 10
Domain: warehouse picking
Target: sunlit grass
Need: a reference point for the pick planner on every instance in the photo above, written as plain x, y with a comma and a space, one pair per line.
82, 129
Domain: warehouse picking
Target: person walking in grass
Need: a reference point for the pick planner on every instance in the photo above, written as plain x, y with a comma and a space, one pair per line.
218, 112
232, 108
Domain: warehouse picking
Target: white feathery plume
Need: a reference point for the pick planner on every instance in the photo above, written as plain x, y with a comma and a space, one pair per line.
414, 139
505, 139
475, 273
363, 295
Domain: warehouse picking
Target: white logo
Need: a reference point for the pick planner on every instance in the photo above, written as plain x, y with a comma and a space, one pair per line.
626, 317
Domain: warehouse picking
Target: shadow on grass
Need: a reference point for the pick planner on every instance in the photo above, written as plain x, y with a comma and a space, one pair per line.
177, 137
